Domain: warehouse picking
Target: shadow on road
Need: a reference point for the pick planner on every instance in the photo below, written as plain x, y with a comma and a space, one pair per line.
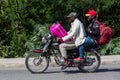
79, 71
50, 72
72, 71
108, 70
98, 71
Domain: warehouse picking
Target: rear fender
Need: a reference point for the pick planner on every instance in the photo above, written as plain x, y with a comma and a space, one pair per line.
37, 50
95, 52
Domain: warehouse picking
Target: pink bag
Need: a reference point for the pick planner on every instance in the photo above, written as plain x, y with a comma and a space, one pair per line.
57, 30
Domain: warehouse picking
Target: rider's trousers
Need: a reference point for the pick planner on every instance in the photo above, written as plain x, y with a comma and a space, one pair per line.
66, 46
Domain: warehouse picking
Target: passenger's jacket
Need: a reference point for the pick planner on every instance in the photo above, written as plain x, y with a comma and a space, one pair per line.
93, 30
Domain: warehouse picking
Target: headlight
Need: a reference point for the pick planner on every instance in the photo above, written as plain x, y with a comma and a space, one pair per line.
46, 38
49, 36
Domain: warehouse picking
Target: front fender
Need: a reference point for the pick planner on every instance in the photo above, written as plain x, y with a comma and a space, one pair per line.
37, 50
40, 51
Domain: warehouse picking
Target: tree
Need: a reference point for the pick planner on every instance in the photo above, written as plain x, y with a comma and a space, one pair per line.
20, 20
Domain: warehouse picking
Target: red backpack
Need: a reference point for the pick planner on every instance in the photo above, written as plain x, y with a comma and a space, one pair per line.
106, 33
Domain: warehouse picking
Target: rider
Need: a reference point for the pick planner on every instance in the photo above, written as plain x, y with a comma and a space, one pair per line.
93, 28
93, 33
77, 32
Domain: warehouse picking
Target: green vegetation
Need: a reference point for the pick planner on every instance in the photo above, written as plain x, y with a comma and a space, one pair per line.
22, 20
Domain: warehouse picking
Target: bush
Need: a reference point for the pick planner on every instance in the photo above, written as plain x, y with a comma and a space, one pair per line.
23, 22
38, 33
113, 48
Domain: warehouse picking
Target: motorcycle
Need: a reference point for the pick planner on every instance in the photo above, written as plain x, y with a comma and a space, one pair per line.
37, 61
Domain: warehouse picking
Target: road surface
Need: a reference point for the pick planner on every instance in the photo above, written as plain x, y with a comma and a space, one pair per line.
105, 72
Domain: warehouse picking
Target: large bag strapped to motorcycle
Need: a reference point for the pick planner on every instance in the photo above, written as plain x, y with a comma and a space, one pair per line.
57, 30
106, 33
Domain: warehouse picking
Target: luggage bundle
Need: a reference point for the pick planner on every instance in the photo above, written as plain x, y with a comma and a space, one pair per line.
57, 30
106, 33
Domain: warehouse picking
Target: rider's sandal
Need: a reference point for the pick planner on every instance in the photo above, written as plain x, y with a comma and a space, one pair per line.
67, 63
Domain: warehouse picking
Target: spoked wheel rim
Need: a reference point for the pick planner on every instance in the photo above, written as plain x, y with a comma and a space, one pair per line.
57, 59
92, 63
36, 64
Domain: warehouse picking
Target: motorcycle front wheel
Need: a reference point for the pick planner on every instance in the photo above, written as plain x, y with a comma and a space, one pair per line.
92, 62
57, 59
36, 63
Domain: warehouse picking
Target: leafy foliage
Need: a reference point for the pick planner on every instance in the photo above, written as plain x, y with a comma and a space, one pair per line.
23, 22
39, 32
113, 47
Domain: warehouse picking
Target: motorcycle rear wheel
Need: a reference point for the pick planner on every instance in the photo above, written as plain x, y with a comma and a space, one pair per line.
36, 63
90, 66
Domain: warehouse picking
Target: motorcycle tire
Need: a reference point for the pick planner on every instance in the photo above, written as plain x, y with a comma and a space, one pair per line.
36, 63
93, 66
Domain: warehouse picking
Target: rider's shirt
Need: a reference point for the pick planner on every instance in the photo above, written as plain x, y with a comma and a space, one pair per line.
77, 31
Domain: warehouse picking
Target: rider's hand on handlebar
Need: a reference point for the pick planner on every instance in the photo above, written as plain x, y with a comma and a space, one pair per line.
58, 39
